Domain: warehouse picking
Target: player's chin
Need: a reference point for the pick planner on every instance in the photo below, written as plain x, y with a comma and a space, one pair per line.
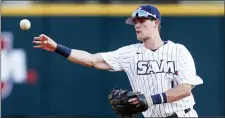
140, 38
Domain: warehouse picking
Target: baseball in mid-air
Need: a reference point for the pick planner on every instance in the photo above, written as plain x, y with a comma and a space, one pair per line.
25, 24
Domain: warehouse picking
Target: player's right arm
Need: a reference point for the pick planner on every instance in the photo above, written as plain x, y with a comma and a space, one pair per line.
86, 59
76, 56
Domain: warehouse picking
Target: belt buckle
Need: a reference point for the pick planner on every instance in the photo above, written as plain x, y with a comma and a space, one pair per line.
179, 113
187, 110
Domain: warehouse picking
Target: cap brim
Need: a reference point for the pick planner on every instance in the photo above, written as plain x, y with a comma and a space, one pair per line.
130, 20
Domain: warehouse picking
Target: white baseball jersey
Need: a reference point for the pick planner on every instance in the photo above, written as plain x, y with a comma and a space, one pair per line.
153, 72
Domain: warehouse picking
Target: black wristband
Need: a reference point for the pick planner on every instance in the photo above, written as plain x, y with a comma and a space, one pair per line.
63, 50
159, 98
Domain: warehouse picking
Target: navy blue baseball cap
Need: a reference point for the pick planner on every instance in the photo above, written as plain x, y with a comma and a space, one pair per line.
144, 11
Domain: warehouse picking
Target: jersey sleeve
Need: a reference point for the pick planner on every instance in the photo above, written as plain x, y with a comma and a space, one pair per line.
116, 58
186, 72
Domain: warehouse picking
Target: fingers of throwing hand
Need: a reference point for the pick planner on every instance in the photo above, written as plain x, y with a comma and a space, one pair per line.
42, 37
37, 42
39, 46
36, 38
40, 41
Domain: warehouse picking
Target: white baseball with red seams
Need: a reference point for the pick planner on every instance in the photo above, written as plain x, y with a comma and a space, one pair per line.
25, 24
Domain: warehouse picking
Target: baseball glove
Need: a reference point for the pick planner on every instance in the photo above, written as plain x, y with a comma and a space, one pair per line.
119, 101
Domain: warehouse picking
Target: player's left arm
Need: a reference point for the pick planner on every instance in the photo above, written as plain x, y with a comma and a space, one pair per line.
179, 92
186, 76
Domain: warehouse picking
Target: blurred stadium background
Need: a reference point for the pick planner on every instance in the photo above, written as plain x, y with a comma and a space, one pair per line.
36, 83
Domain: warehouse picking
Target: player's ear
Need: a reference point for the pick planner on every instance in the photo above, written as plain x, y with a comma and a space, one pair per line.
157, 23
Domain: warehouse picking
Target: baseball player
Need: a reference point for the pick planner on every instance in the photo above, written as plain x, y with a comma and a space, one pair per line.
162, 70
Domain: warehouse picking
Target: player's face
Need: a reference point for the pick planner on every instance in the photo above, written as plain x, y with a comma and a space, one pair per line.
145, 28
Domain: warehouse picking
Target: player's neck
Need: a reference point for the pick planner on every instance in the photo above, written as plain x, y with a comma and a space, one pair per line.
153, 43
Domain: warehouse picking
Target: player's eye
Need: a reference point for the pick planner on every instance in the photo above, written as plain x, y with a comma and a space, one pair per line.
139, 21
135, 22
